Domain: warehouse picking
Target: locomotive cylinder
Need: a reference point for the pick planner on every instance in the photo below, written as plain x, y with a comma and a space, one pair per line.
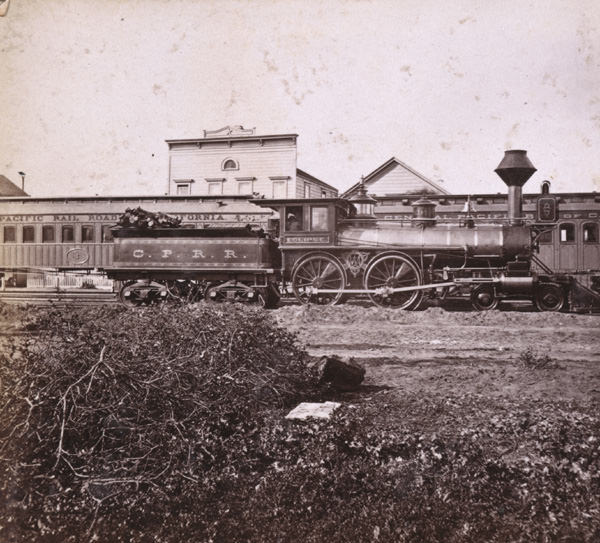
516, 285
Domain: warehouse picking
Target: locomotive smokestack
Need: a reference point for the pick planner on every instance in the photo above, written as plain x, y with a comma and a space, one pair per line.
515, 169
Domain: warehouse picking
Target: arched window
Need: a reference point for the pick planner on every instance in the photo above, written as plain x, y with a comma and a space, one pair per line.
590, 232
546, 187
567, 232
230, 164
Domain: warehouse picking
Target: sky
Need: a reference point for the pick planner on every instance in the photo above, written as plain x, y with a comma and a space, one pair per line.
90, 90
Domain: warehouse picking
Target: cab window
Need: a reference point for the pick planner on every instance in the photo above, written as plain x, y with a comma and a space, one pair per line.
319, 218
590, 232
567, 232
294, 219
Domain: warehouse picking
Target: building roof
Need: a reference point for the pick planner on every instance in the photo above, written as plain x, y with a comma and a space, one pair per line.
312, 178
8, 188
231, 133
389, 164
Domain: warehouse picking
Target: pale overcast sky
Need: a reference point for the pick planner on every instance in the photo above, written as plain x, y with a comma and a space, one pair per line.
89, 89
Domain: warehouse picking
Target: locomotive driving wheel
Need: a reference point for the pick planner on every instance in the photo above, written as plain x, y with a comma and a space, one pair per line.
315, 274
483, 298
391, 272
549, 297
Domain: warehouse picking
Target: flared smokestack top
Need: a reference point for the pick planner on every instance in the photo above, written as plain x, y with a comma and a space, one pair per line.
515, 169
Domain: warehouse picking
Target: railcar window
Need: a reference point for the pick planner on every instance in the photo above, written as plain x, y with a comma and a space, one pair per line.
567, 232
107, 236
87, 233
28, 234
319, 218
590, 232
48, 234
10, 234
68, 235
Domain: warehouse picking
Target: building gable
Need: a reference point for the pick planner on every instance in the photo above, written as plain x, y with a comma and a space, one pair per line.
8, 188
396, 177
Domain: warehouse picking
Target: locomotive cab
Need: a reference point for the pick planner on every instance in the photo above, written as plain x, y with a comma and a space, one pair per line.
308, 222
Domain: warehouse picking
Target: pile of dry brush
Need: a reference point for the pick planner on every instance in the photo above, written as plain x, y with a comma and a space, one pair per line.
118, 409
140, 218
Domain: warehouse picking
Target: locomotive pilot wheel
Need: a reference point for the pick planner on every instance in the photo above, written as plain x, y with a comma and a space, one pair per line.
549, 297
389, 272
317, 273
483, 298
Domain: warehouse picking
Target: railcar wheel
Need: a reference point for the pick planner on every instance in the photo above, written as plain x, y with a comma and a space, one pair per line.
393, 271
316, 272
185, 291
137, 293
483, 298
549, 298
269, 297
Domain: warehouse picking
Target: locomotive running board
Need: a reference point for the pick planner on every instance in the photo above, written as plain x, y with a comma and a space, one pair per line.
311, 290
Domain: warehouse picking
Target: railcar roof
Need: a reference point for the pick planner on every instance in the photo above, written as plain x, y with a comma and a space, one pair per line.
72, 198
275, 203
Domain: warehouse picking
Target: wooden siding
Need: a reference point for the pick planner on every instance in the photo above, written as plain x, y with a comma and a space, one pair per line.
397, 180
203, 163
315, 188
56, 255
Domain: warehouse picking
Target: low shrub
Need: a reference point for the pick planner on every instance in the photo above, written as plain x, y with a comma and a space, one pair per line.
111, 408
168, 425
531, 359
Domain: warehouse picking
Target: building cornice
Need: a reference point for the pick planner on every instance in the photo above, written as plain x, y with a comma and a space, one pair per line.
226, 139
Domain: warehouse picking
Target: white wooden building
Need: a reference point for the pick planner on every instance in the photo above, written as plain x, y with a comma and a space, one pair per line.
236, 161
395, 177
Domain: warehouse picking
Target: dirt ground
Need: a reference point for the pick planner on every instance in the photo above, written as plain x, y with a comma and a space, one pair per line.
437, 352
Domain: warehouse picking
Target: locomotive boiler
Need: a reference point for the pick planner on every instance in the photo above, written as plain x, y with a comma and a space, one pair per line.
330, 249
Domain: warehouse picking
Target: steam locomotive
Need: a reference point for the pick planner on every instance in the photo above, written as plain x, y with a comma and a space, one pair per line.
330, 249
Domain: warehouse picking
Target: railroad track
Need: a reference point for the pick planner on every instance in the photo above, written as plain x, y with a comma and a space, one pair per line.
58, 298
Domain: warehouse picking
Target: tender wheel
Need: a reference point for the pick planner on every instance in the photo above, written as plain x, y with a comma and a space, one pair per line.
393, 271
184, 291
318, 272
483, 298
549, 298
138, 293
269, 297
